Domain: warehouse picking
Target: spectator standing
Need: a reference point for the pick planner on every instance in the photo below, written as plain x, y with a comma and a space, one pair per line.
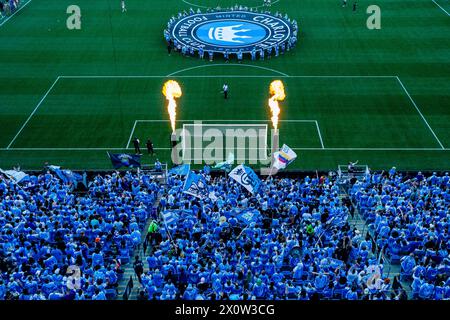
138, 267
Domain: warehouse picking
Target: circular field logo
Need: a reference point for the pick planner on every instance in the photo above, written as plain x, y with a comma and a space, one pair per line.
231, 31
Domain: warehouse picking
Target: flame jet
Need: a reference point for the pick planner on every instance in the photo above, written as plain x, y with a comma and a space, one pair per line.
278, 94
172, 90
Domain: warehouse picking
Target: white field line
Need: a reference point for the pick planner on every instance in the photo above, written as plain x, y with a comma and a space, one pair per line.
294, 148
420, 113
441, 7
265, 120
131, 134
32, 113
320, 134
227, 65
222, 76
20, 9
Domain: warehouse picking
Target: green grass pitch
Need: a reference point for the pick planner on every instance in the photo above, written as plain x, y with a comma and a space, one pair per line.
378, 96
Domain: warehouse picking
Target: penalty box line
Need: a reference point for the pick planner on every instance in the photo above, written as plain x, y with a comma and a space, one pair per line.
16, 12
262, 121
440, 7
216, 76
420, 113
32, 113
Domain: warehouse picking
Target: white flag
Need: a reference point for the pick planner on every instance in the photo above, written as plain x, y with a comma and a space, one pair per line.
284, 157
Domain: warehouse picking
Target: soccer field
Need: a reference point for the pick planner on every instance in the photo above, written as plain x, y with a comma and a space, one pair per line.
378, 96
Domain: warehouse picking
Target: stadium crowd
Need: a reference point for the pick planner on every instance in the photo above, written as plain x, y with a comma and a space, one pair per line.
291, 240
299, 246
57, 244
410, 217
267, 52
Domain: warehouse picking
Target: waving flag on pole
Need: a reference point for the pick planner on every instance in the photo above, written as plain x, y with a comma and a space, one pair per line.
284, 157
15, 175
226, 165
246, 177
248, 216
66, 176
125, 160
170, 218
181, 170
196, 186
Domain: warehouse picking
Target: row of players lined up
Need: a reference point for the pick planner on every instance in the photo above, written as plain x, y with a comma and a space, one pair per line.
254, 54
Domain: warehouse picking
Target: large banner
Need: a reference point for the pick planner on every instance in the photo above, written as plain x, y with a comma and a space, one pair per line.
246, 177
125, 160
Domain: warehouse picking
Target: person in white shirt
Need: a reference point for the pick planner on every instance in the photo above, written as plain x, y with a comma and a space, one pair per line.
124, 6
225, 91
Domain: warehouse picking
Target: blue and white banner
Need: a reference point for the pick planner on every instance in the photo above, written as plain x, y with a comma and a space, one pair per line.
181, 170
284, 157
231, 31
170, 218
196, 185
248, 216
125, 160
15, 176
246, 177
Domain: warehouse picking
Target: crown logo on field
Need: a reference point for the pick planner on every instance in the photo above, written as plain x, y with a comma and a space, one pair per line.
228, 34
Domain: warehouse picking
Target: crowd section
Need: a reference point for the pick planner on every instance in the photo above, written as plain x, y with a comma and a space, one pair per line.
58, 244
291, 240
300, 246
410, 217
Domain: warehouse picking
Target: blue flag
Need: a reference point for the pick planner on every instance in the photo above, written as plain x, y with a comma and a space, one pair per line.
195, 185
181, 170
248, 216
207, 169
125, 160
246, 177
67, 176
170, 218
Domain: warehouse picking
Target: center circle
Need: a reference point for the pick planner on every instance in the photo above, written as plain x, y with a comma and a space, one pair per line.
231, 33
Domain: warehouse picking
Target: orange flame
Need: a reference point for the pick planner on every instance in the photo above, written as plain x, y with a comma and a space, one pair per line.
278, 94
172, 90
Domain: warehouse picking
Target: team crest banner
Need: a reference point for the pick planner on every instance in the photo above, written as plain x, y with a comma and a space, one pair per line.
246, 177
232, 31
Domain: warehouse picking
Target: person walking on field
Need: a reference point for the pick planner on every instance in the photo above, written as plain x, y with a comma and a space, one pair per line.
150, 149
225, 91
137, 148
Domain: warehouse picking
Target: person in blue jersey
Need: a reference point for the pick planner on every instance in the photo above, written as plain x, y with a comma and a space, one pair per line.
253, 54
240, 56
226, 56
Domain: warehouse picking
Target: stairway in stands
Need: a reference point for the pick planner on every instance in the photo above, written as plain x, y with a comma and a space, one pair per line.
358, 222
128, 268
